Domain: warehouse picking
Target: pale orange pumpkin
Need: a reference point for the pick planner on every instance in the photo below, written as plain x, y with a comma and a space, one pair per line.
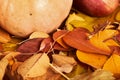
22, 17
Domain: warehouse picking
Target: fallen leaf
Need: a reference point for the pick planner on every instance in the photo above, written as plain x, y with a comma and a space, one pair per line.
49, 75
99, 38
113, 64
63, 63
62, 59
111, 42
57, 46
30, 46
46, 45
57, 37
95, 60
79, 39
35, 66
66, 68
71, 18
38, 35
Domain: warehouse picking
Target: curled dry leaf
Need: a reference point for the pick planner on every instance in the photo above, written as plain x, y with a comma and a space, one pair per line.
38, 35
35, 66
66, 68
63, 63
61, 60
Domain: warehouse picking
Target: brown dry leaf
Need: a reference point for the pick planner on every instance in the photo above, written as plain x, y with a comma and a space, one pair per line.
94, 60
62, 59
63, 63
38, 35
5, 61
113, 65
35, 66
4, 36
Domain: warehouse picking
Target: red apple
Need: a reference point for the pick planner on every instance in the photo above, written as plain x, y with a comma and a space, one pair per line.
96, 7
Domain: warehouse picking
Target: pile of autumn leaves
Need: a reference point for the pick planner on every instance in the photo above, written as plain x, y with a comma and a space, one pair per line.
42, 56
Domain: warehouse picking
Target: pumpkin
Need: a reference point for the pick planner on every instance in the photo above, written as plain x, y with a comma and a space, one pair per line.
22, 17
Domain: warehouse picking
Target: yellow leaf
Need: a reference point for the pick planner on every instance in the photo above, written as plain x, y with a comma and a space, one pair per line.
111, 42
99, 38
94, 60
72, 17
35, 66
38, 35
105, 34
84, 24
117, 17
113, 64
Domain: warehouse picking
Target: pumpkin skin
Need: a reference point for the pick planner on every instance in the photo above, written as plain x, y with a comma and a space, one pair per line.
22, 17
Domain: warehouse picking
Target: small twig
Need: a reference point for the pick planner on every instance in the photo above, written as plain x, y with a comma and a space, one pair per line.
59, 72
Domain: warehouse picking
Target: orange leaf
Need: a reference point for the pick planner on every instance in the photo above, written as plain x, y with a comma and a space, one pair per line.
113, 64
94, 60
79, 39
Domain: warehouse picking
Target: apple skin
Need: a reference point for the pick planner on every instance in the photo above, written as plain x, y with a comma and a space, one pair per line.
96, 8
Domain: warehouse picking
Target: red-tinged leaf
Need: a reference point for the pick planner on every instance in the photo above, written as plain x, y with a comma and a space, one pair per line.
23, 57
46, 45
79, 39
30, 46
60, 48
57, 36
